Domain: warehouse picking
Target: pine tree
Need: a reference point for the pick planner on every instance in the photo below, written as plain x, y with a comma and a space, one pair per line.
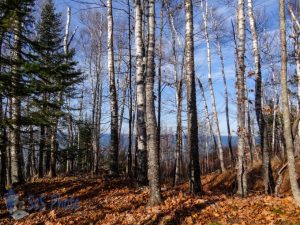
55, 78
15, 23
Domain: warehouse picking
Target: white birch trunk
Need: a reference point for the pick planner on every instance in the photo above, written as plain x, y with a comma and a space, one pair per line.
267, 172
114, 140
285, 106
15, 136
178, 98
241, 163
141, 154
211, 88
151, 125
208, 122
220, 52
123, 99
195, 182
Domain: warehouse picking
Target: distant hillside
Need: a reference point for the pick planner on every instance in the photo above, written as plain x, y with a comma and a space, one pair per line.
105, 140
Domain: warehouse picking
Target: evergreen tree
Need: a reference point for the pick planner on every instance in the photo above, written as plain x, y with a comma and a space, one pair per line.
15, 27
56, 76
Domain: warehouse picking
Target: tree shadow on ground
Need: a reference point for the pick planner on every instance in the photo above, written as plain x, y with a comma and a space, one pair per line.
178, 215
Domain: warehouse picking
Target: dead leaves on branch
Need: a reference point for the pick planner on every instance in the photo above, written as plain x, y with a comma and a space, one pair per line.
119, 202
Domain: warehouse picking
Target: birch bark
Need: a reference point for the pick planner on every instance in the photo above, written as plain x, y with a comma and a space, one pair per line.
220, 52
178, 87
267, 171
194, 170
240, 86
114, 138
141, 151
285, 106
211, 88
151, 125
15, 136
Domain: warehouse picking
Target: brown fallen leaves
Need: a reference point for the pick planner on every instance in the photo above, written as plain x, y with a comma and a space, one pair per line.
120, 202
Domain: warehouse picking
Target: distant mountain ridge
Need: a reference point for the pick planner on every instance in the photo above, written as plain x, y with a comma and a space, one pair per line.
105, 140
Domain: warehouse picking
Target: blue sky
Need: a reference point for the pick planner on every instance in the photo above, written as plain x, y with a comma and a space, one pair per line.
270, 9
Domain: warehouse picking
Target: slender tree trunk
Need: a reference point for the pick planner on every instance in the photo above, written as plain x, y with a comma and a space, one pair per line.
208, 122
41, 150
46, 153
67, 30
178, 115
298, 79
151, 125
141, 152
195, 182
66, 51
211, 88
53, 152
53, 138
295, 30
8, 158
178, 85
285, 106
29, 167
94, 135
274, 125
220, 53
241, 166
159, 74
275, 97
298, 71
178, 169
97, 107
28, 162
3, 146
248, 121
3, 141
124, 90
15, 136
267, 170
70, 139
99, 118
33, 159
114, 151
130, 108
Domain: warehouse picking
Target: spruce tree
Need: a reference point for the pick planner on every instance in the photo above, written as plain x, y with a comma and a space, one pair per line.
56, 77
15, 26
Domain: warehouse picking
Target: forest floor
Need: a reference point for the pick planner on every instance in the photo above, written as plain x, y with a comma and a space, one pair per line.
119, 201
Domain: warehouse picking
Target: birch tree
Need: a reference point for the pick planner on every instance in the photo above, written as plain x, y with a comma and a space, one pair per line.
267, 171
240, 79
218, 27
208, 122
211, 88
15, 136
178, 87
192, 136
285, 106
159, 77
151, 125
295, 36
130, 108
141, 153
114, 148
